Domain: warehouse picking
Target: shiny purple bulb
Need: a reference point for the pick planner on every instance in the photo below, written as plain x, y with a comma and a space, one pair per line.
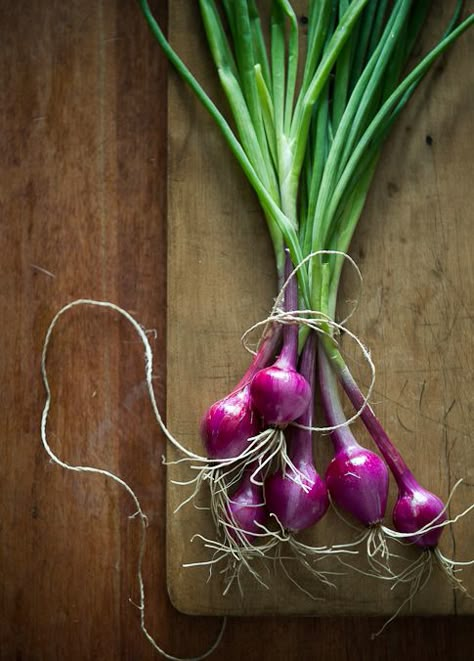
357, 480
415, 508
228, 424
280, 394
246, 509
295, 507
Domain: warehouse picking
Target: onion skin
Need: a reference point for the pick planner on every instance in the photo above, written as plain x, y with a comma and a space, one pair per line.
298, 508
357, 480
228, 424
246, 509
280, 394
295, 508
415, 508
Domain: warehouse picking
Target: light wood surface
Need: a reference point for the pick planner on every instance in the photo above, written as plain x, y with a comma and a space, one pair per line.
414, 247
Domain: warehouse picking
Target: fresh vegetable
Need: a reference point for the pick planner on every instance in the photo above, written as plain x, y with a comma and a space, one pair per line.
228, 425
357, 479
308, 135
417, 509
279, 392
246, 509
295, 493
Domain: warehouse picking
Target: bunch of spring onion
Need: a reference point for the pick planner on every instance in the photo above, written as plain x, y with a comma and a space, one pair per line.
308, 118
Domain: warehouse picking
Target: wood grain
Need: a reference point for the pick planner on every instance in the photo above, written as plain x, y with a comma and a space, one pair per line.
83, 198
415, 251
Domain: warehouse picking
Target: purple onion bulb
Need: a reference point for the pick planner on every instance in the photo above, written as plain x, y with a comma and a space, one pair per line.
357, 480
246, 509
280, 394
295, 507
298, 497
228, 424
416, 508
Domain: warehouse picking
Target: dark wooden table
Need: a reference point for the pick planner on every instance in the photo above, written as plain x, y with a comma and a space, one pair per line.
83, 214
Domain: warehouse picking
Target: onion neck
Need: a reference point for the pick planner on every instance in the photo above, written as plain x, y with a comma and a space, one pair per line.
300, 445
408, 484
265, 353
341, 437
289, 353
402, 474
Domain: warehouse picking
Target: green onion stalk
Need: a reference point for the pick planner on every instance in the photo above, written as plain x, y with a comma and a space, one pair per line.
309, 116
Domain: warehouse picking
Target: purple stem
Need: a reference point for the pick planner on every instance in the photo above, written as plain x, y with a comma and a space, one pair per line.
300, 445
392, 456
342, 438
289, 352
265, 353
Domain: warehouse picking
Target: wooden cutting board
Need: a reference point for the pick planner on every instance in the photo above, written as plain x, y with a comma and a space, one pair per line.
414, 247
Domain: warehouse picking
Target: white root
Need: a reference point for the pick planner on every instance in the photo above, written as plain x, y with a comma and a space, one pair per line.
239, 556
281, 562
419, 572
235, 556
417, 576
378, 552
450, 568
306, 555
226, 473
